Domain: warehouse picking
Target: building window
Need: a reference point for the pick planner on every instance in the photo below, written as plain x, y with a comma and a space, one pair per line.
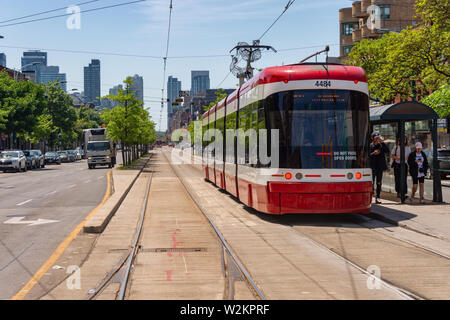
385, 11
346, 50
347, 28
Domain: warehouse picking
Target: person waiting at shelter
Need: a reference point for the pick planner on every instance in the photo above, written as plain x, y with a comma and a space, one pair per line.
377, 154
395, 154
418, 167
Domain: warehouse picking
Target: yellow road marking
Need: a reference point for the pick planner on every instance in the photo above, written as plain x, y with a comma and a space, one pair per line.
61, 248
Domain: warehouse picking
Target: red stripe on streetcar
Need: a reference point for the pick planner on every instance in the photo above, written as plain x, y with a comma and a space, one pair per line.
277, 175
366, 175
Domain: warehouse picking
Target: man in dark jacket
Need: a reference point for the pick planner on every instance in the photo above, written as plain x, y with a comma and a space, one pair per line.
377, 154
418, 168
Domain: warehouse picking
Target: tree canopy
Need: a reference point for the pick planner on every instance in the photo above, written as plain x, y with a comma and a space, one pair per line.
412, 62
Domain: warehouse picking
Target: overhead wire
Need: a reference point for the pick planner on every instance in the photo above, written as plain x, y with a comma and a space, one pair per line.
70, 14
45, 12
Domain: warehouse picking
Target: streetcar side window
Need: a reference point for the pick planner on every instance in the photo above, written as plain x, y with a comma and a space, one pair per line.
231, 128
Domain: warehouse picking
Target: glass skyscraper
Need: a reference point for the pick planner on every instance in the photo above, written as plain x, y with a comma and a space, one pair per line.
2, 59
51, 73
30, 57
92, 87
199, 81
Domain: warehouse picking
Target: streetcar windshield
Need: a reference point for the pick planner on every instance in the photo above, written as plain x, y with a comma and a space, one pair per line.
321, 128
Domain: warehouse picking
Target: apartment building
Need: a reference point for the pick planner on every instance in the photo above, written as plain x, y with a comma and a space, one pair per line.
370, 19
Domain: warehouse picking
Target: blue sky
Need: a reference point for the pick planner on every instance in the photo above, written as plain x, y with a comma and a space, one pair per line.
199, 27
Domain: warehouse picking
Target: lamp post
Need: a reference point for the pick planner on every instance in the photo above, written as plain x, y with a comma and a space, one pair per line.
27, 65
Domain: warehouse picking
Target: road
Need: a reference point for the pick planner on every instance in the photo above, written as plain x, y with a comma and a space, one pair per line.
61, 196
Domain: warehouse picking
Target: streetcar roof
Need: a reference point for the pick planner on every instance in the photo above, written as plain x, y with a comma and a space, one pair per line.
295, 72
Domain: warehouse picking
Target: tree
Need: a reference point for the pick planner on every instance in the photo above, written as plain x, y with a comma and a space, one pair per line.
220, 95
21, 103
439, 101
410, 63
128, 122
62, 114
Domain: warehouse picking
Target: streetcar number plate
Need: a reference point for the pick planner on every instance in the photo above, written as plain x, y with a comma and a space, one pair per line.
324, 84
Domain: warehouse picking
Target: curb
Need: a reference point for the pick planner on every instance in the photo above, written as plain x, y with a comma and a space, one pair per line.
383, 218
96, 227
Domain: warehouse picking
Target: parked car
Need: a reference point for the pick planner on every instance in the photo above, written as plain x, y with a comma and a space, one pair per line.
71, 155
40, 159
13, 160
444, 162
52, 157
64, 156
31, 159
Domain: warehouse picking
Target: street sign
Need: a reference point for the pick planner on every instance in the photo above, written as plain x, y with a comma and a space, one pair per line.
179, 100
184, 94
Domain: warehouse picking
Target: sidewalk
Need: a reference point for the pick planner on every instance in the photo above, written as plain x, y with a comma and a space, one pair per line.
430, 218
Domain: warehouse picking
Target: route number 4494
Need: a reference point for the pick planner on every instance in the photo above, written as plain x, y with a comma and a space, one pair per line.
324, 84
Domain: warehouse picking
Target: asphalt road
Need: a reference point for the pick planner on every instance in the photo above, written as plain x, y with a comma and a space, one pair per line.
61, 196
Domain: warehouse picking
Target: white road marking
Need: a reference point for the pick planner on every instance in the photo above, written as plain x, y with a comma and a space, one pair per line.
53, 192
71, 186
88, 181
22, 203
18, 220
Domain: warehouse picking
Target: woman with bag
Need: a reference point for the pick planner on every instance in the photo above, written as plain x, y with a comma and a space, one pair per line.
377, 154
418, 167
395, 154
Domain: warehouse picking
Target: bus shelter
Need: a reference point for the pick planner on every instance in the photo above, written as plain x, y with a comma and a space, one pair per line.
420, 121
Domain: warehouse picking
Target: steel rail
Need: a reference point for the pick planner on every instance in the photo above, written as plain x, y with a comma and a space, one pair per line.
230, 251
401, 291
134, 247
107, 280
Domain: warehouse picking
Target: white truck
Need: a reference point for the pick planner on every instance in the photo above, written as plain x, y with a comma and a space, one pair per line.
98, 149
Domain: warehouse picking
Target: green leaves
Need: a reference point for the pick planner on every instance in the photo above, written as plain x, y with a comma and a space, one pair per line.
440, 101
128, 122
411, 63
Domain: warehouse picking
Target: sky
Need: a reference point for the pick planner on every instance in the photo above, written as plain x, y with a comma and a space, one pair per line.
198, 28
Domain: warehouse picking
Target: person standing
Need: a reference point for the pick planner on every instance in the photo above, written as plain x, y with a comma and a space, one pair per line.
377, 153
395, 154
418, 167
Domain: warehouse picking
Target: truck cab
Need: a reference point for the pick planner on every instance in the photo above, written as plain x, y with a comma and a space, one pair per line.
98, 149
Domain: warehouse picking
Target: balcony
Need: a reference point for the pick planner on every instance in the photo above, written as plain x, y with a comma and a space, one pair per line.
367, 33
365, 4
356, 35
356, 10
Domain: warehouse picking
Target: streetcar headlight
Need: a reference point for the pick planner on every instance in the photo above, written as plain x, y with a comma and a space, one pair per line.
288, 175
358, 175
349, 175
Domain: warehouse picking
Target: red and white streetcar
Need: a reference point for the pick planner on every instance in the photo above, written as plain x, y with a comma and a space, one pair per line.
321, 112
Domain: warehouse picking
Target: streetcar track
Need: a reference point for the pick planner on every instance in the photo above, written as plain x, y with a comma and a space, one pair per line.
130, 256
401, 290
230, 252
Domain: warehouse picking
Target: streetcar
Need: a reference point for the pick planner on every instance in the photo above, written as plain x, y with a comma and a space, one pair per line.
320, 114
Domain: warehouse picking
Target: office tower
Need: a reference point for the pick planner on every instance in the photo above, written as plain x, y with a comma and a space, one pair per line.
2, 59
92, 82
173, 91
138, 87
51, 73
199, 81
30, 57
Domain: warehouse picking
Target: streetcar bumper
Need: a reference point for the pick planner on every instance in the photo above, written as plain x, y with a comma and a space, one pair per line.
349, 197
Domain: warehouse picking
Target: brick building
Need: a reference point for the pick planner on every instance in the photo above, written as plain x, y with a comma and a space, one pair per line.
357, 23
